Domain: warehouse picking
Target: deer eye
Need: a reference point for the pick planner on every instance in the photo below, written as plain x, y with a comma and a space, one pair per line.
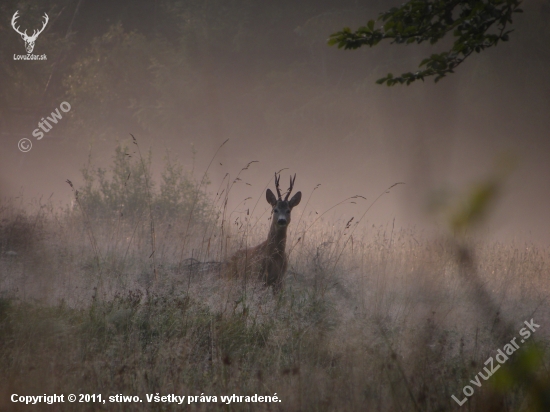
275, 211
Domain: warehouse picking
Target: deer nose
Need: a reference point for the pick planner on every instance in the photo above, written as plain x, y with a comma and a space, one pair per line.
281, 222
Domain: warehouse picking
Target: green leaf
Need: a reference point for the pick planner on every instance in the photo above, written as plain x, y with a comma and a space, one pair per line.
468, 22
423, 62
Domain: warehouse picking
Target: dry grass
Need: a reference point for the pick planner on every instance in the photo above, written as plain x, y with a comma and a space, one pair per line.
381, 322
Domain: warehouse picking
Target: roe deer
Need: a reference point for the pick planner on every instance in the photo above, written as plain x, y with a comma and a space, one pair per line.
268, 260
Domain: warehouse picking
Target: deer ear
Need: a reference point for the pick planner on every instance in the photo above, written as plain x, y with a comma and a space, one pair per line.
295, 200
271, 199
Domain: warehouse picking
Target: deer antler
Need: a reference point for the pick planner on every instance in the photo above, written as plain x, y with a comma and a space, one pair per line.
291, 186
35, 32
15, 17
277, 185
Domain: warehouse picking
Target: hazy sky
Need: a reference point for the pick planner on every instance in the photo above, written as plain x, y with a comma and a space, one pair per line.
268, 82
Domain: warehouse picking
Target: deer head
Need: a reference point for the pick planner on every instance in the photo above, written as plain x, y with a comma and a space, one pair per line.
282, 208
29, 40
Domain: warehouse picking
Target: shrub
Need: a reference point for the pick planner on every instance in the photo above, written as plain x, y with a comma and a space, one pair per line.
127, 189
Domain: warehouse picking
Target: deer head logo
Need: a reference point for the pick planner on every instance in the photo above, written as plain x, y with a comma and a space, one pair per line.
29, 40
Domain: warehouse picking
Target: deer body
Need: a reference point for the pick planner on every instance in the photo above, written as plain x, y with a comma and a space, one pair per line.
268, 261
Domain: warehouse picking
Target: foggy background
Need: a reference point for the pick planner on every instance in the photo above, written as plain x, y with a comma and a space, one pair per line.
180, 75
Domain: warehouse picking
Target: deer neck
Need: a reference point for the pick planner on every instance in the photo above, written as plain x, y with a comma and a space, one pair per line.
276, 239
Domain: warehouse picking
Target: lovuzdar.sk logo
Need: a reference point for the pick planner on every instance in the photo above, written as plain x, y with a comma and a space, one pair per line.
29, 40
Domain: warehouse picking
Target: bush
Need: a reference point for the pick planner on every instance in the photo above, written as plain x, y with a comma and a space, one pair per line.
128, 189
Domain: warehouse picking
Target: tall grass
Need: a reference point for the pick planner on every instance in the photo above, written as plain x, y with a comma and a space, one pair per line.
369, 318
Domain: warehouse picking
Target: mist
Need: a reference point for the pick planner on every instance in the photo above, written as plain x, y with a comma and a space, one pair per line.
178, 77
136, 151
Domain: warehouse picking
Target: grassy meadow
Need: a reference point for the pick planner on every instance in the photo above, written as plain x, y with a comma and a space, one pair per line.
123, 292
